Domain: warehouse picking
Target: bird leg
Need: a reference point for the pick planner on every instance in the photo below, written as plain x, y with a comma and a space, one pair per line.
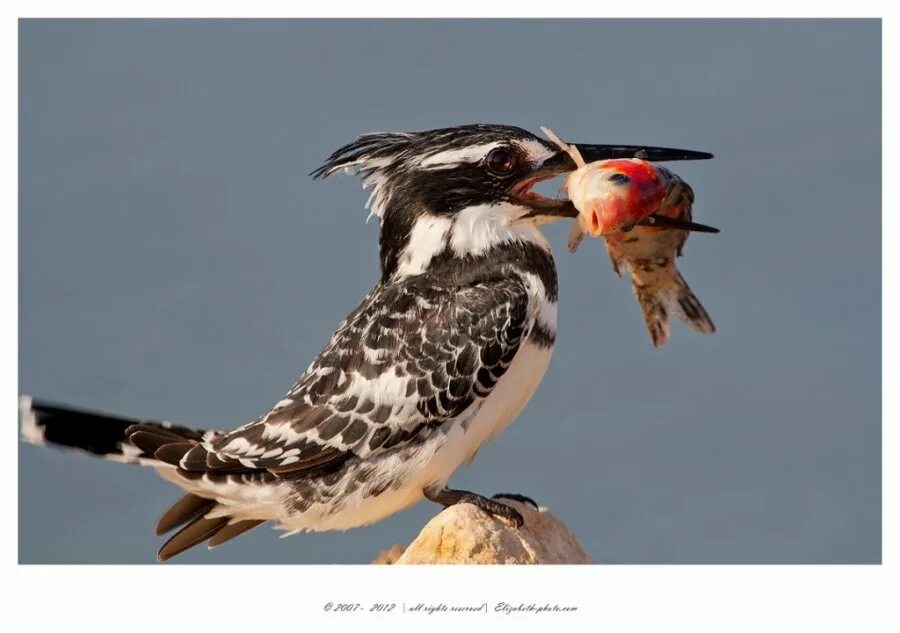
447, 497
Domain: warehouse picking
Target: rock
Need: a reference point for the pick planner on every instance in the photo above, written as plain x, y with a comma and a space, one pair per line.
464, 534
389, 556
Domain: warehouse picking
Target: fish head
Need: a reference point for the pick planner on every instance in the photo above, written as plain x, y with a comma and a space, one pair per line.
613, 195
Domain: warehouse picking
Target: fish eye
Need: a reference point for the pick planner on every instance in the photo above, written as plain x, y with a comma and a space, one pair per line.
620, 179
501, 161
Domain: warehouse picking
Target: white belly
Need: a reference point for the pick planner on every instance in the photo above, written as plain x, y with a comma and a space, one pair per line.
509, 396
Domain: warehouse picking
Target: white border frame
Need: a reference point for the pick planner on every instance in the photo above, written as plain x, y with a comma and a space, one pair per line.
291, 598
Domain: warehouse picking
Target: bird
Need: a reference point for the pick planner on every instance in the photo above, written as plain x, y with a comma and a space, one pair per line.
436, 360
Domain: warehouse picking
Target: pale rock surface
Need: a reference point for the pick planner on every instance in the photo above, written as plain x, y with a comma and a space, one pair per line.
464, 534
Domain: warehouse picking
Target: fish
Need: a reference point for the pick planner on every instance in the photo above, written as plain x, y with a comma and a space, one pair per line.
648, 253
614, 195
644, 213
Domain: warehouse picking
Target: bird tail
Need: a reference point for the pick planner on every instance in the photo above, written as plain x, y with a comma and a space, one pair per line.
98, 434
670, 294
200, 518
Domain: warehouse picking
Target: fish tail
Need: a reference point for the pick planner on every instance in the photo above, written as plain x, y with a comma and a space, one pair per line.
689, 309
670, 296
656, 314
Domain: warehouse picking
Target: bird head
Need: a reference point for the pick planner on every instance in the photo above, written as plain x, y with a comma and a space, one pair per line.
463, 190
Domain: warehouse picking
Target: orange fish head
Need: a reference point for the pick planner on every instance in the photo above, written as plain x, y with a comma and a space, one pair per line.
613, 195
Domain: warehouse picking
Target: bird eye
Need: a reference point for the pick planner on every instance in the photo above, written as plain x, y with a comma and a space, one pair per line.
620, 179
501, 161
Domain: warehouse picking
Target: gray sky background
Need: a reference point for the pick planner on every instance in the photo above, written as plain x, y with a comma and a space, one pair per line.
176, 262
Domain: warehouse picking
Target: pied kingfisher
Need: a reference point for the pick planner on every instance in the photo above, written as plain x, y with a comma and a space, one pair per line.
436, 360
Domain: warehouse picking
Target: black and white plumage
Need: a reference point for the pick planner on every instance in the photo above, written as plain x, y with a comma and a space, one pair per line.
435, 361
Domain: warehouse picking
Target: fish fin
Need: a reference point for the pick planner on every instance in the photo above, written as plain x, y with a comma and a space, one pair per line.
576, 235
576, 156
688, 308
562, 190
614, 261
571, 150
670, 296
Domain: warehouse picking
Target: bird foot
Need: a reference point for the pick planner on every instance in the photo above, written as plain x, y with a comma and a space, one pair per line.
447, 497
514, 496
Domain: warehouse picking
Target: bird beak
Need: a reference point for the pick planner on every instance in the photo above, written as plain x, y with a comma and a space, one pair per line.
590, 153
561, 162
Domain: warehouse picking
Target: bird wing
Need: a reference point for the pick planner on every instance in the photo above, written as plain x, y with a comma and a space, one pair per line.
410, 357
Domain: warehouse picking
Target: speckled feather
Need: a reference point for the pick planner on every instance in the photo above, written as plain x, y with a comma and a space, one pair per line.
410, 357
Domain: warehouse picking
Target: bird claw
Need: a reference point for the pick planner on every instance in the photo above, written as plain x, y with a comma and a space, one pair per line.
514, 496
496, 508
507, 512
448, 497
